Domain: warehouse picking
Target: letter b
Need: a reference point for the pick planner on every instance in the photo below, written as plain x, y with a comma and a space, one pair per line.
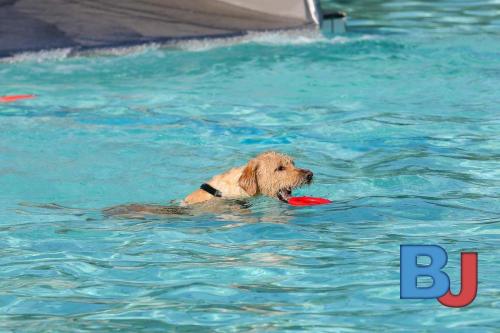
411, 270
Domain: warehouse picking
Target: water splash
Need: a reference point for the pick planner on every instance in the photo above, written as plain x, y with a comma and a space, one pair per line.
276, 38
39, 56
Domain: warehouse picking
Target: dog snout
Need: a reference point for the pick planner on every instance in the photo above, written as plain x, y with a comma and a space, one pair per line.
308, 175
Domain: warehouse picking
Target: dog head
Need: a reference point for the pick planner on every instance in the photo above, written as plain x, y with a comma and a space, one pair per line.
273, 174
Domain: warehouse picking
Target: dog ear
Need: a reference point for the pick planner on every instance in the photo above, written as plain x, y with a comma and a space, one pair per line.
248, 178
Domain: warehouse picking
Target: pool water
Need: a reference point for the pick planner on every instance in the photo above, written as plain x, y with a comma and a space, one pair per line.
399, 120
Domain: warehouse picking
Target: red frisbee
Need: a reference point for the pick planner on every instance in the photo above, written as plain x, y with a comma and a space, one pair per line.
308, 201
13, 98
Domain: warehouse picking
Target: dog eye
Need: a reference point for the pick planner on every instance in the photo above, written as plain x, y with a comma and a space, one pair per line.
280, 168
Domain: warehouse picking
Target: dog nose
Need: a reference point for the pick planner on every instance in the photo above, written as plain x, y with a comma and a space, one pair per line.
309, 175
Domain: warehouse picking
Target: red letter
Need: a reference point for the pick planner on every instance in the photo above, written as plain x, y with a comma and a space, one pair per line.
468, 290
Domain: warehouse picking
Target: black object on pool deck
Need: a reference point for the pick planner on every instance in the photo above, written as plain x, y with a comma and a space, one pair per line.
33, 25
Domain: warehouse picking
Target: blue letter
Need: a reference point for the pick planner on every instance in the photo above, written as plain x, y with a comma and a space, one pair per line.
410, 271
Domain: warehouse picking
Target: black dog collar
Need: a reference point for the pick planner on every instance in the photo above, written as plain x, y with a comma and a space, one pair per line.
209, 189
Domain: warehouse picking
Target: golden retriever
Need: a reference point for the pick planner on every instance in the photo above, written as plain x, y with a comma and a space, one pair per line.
271, 174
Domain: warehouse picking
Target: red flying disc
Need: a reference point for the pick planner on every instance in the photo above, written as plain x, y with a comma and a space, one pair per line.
307, 201
13, 98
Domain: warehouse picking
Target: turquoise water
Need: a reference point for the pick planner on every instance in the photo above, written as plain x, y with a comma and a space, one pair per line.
399, 120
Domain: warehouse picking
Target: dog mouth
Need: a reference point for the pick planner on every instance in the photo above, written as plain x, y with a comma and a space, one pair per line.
284, 194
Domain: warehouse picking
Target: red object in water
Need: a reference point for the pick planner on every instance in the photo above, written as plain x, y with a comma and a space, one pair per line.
308, 201
13, 98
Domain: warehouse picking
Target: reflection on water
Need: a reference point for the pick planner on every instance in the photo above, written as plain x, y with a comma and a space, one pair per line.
399, 16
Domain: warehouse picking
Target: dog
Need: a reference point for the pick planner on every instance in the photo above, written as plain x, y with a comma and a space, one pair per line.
271, 174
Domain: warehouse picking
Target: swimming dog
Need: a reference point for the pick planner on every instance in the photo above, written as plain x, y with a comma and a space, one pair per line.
270, 174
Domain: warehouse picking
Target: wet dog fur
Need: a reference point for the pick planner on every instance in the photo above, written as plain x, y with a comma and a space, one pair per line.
270, 174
